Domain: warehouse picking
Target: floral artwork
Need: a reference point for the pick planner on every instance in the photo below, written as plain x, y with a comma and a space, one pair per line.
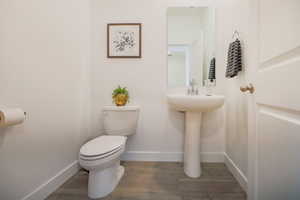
124, 41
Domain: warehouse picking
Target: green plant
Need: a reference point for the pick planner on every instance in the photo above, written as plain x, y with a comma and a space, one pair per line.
120, 90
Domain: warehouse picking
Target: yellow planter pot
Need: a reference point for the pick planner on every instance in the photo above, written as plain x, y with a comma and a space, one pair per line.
120, 99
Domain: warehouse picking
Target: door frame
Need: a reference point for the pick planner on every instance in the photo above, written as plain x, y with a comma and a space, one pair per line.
252, 106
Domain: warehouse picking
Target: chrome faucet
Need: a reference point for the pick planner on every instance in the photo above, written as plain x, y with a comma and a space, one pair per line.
192, 89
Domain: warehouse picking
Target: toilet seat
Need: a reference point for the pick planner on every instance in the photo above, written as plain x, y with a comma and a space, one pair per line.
91, 158
102, 147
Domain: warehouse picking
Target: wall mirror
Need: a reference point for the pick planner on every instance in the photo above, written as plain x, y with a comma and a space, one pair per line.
191, 42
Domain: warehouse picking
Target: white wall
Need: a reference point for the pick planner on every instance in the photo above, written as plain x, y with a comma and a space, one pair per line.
233, 15
43, 60
160, 130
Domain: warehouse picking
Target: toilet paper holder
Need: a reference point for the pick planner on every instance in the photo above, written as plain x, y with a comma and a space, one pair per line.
25, 113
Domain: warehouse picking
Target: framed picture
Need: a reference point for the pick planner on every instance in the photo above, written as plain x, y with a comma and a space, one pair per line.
124, 40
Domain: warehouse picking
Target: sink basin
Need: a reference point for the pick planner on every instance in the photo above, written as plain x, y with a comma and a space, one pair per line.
196, 103
193, 106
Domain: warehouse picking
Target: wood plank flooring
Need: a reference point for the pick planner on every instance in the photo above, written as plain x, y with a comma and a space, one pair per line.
160, 181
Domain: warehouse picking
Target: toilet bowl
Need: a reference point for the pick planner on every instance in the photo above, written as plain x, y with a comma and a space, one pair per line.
101, 156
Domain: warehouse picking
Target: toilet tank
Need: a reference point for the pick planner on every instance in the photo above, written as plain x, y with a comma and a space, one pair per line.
120, 120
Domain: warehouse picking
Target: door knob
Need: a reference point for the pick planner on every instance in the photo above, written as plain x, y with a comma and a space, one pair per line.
249, 88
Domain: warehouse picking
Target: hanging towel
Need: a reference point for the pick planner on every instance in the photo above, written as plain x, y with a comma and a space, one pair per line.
212, 69
229, 70
234, 59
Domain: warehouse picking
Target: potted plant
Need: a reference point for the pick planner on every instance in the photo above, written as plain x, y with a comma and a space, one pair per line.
120, 96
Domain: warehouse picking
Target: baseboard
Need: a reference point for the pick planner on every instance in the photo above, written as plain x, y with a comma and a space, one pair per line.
212, 157
152, 156
44, 190
237, 173
169, 156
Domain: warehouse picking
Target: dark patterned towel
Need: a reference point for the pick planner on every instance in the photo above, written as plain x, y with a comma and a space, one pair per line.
212, 69
234, 59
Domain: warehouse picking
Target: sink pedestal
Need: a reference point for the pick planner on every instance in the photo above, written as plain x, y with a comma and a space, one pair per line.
193, 106
192, 144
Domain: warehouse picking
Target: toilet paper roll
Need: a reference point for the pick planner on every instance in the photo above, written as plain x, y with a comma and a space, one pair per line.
11, 116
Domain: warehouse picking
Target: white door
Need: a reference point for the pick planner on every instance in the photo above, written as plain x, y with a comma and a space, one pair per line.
274, 117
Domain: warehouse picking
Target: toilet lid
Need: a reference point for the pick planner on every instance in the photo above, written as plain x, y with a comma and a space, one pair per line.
102, 145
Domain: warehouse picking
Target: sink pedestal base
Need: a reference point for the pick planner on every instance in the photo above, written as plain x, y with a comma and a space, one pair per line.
192, 166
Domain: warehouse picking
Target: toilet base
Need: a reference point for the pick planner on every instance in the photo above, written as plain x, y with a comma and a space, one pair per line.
103, 182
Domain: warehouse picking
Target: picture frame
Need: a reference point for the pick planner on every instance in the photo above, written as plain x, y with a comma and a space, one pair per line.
124, 40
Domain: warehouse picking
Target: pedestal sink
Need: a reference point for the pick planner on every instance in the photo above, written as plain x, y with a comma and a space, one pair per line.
193, 106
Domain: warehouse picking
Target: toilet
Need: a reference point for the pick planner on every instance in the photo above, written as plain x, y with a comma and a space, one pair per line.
101, 156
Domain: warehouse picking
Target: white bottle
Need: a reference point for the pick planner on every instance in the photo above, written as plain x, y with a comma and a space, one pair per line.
209, 85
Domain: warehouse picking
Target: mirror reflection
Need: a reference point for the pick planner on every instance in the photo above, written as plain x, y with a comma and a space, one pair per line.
191, 42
